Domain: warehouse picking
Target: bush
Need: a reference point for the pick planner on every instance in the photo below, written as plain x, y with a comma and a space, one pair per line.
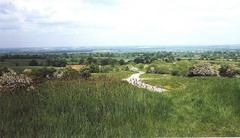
121, 62
56, 62
139, 60
140, 66
10, 82
105, 69
91, 60
85, 73
66, 73
43, 73
183, 66
4, 70
2, 59
81, 61
227, 70
175, 72
202, 69
94, 68
162, 70
158, 70
33, 63
126, 68
27, 72
237, 72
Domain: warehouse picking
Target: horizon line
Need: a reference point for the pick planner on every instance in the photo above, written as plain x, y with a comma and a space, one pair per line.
119, 46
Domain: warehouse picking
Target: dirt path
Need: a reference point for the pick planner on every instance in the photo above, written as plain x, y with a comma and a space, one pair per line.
136, 81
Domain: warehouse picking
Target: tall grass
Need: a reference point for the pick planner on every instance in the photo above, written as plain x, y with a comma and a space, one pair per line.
206, 106
94, 108
104, 106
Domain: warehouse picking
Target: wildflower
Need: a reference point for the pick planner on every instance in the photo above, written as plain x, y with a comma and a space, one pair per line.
10, 82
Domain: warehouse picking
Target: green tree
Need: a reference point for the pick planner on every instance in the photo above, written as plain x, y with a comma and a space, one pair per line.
33, 63
91, 60
94, 68
121, 62
81, 61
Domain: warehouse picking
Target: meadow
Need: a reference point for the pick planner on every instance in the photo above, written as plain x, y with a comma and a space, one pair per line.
106, 106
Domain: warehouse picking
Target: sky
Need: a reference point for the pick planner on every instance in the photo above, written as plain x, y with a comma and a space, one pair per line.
76, 23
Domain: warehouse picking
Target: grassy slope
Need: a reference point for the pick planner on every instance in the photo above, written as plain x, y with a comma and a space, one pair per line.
166, 81
206, 106
105, 106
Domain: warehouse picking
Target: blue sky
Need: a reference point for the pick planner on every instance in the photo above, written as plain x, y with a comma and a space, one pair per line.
51, 23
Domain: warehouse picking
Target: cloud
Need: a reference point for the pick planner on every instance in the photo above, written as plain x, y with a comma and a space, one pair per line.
101, 2
122, 22
6, 8
8, 19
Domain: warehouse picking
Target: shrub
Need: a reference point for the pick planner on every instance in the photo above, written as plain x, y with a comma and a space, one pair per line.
85, 73
94, 68
237, 71
151, 69
2, 59
4, 70
105, 69
121, 62
27, 72
71, 73
202, 69
43, 73
138, 60
116, 69
158, 70
33, 63
66, 73
56, 62
140, 66
162, 70
10, 82
183, 66
126, 68
227, 70
175, 72
81, 61
91, 60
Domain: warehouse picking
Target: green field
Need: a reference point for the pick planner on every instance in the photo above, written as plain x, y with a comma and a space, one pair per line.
19, 62
166, 81
105, 106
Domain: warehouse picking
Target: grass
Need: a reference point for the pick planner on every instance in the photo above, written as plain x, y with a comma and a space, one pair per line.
206, 106
166, 81
105, 106
115, 75
210, 104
